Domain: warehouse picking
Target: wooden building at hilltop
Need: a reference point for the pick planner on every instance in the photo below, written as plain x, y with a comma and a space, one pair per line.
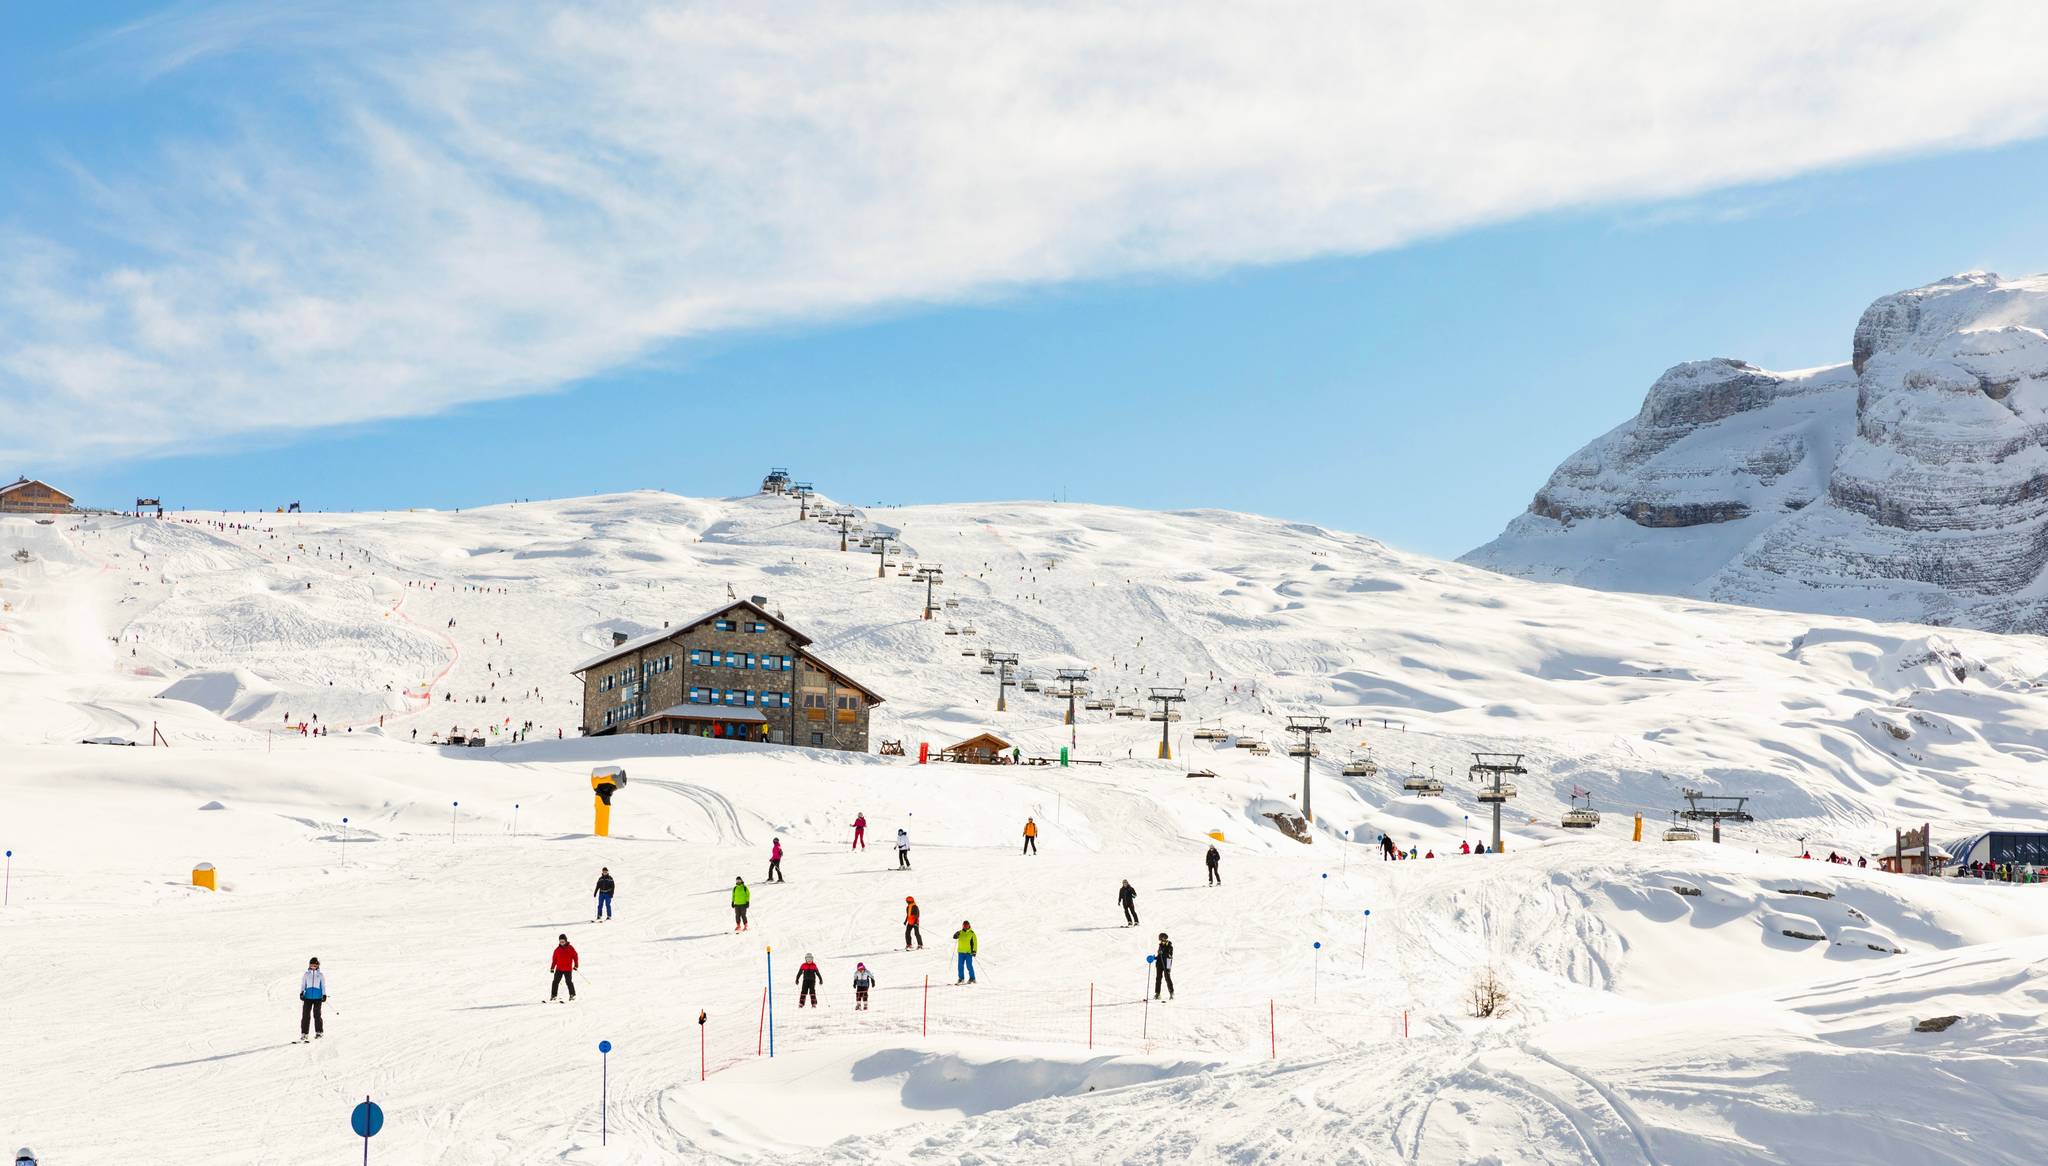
29, 496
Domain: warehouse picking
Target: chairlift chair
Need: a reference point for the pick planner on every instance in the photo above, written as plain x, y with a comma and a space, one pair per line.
953, 631
988, 670
1414, 783
1202, 773
1680, 832
1261, 750
1300, 750
1211, 735
965, 651
1431, 788
1250, 743
1499, 793
1582, 815
1360, 767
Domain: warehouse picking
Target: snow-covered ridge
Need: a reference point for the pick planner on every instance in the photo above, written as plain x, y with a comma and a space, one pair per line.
1910, 482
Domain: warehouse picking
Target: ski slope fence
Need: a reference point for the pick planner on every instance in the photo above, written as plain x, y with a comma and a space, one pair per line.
739, 1028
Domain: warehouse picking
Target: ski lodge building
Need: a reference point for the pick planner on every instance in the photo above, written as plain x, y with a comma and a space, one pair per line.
28, 496
739, 673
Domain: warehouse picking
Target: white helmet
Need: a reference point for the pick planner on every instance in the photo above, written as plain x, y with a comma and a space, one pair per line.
25, 1155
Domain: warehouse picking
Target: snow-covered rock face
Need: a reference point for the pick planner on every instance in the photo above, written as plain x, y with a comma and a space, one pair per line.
1910, 483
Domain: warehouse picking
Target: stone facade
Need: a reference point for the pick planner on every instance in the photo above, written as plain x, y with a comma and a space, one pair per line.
739, 659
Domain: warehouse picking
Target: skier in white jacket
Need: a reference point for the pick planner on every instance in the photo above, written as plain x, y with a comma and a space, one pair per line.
312, 994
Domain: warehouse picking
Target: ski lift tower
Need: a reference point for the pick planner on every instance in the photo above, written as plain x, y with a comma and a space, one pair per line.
803, 493
1166, 698
845, 518
882, 542
1308, 727
1003, 661
931, 577
1070, 681
1715, 808
1497, 766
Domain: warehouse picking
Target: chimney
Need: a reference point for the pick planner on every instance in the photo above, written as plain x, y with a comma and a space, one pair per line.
619, 638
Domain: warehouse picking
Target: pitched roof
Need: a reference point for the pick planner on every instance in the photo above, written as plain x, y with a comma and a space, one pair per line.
639, 642
991, 738
26, 482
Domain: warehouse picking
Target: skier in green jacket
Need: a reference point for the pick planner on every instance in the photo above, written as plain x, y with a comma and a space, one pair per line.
741, 896
967, 947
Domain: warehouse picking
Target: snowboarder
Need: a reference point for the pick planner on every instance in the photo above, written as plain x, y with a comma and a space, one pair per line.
775, 863
741, 896
863, 979
1031, 836
605, 887
902, 849
911, 928
966, 947
807, 977
564, 964
1127, 898
312, 994
860, 832
1162, 968
1215, 861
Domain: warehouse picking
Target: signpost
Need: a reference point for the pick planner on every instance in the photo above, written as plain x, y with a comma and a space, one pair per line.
1316, 977
771, 1001
344, 842
366, 1119
451, 820
1364, 937
7, 884
604, 1088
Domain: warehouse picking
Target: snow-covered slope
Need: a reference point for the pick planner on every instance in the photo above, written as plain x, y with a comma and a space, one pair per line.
1651, 983
1907, 483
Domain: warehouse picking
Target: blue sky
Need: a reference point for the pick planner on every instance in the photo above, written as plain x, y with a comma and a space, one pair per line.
1414, 380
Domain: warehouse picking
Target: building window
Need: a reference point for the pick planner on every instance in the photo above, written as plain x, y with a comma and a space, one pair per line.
696, 655
817, 740
757, 627
699, 696
848, 708
723, 625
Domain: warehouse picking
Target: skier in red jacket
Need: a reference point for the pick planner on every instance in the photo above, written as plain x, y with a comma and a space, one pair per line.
564, 964
807, 977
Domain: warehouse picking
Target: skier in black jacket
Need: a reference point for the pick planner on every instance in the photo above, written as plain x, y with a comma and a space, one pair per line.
1162, 968
605, 887
807, 978
1127, 897
1215, 862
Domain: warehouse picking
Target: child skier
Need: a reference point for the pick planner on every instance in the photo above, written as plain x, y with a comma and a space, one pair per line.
1215, 861
1127, 897
902, 849
911, 927
860, 832
966, 947
1162, 967
775, 862
807, 977
564, 965
605, 887
1031, 836
741, 896
312, 994
862, 981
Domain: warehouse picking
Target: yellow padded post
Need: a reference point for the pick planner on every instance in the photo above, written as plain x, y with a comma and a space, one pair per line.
202, 876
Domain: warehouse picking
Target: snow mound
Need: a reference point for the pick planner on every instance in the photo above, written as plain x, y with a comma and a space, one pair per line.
236, 694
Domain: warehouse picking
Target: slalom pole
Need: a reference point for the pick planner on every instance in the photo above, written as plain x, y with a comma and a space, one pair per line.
7, 884
451, 820
702, 1073
1364, 937
761, 1026
1324, 900
515, 819
1091, 1015
344, 841
925, 1025
771, 1001
604, 1129
1316, 977
1272, 1034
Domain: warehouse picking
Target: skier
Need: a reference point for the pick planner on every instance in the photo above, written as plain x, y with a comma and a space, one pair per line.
1464, 847
863, 979
775, 863
312, 994
1162, 966
605, 887
807, 977
1030, 836
741, 896
1215, 861
1127, 897
902, 849
966, 947
911, 928
860, 832
564, 964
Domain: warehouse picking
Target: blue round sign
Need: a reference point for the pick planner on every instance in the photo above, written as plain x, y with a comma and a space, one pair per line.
367, 1119
604, 1046
1319, 945
1150, 958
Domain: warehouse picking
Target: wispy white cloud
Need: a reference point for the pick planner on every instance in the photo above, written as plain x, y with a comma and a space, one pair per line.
408, 217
